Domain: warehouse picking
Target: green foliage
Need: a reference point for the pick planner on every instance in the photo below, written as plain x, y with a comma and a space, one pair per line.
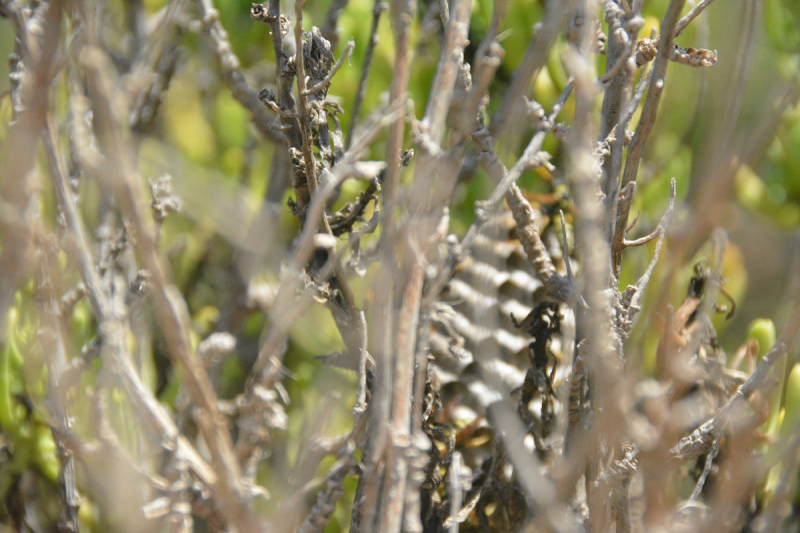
30, 438
202, 132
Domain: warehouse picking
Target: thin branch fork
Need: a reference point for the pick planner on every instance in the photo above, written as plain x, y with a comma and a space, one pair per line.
383, 482
280, 112
701, 439
151, 409
169, 306
229, 68
654, 96
661, 228
681, 25
534, 60
636, 147
641, 285
623, 25
560, 287
346, 53
665, 51
451, 59
484, 142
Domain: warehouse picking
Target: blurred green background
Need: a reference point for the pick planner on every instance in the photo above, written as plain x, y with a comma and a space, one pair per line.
204, 138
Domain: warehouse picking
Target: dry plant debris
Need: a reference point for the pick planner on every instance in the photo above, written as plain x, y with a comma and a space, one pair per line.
500, 378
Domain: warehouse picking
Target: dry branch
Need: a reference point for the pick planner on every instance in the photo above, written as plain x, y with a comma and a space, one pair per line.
463, 417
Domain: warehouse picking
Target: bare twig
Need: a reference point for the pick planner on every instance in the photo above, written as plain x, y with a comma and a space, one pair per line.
279, 27
321, 513
595, 325
657, 232
709, 462
641, 87
623, 27
302, 101
150, 409
636, 148
385, 466
653, 97
450, 60
558, 286
229, 68
329, 28
535, 58
169, 306
565, 245
379, 8
348, 50
641, 285
38, 53
699, 441
690, 16
455, 491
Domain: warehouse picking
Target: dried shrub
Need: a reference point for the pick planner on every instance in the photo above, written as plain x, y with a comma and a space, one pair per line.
394, 282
